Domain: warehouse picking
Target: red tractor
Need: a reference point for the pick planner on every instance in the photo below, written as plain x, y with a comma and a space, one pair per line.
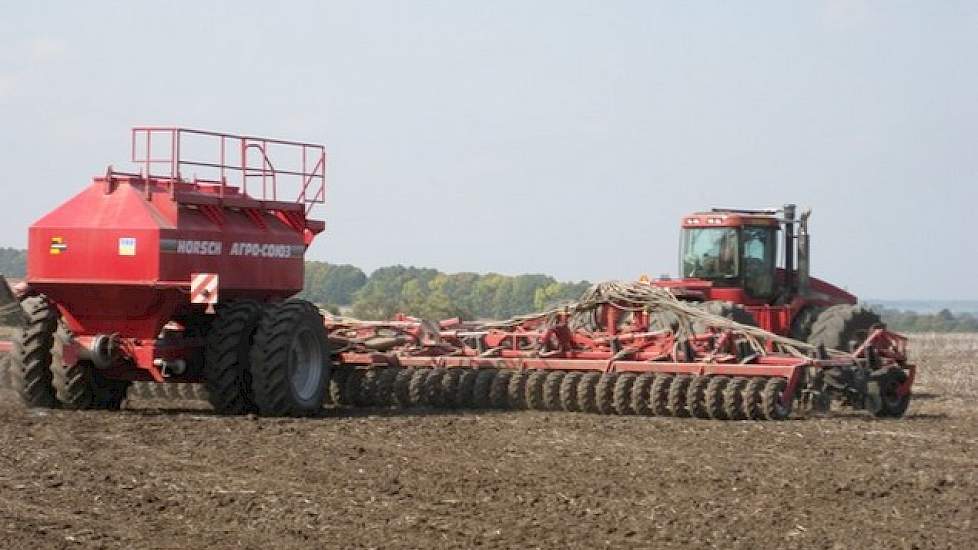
729, 261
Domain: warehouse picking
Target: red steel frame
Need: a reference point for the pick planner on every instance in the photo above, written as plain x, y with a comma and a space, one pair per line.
312, 161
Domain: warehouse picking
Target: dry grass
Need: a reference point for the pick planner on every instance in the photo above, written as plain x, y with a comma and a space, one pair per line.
947, 364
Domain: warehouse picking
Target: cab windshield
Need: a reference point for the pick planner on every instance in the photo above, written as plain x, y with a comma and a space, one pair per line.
711, 253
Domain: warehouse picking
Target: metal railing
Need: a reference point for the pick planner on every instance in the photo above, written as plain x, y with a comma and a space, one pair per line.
165, 153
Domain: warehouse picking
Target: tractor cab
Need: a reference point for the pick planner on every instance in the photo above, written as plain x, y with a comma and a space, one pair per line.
755, 259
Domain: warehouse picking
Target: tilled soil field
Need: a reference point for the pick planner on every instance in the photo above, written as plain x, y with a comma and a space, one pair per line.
169, 474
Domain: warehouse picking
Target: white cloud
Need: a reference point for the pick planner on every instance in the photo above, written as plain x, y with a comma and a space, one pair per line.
844, 14
45, 48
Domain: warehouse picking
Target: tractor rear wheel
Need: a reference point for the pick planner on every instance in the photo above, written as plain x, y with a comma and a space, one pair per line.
291, 372
30, 371
843, 326
227, 363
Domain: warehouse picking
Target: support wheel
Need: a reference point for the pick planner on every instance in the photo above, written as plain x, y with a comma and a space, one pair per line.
402, 386
449, 388
771, 399
516, 396
551, 390
677, 395
604, 395
883, 397
30, 370
568, 392
416, 387
499, 391
733, 399
751, 402
641, 392
659, 394
534, 390
622, 394
587, 392
466, 387
291, 370
714, 397
696, 397
482, 390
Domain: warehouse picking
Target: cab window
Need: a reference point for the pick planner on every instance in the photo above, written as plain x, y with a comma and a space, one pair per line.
760, 249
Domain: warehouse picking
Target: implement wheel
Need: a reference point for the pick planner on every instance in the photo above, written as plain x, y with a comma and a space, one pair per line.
551, 390
227, 365
292, 368
587, 392
641, 394
882, 393
696, 397
659, 395
416, 387
733, 399
771, 396
402, 386
622, 394
604, 395
677, 395
533, 393
714, 397
449, 388
499, 391
751, 398
482, 390
30, 371
568, 392
466, 387
516, 397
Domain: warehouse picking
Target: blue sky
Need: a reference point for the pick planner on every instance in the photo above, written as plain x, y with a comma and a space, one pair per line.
558, 137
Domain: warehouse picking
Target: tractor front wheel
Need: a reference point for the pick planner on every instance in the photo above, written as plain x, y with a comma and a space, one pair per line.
290, 369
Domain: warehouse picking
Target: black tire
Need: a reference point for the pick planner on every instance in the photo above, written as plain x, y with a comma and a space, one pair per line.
587, 392
727, 310
466, 387
733, 399
482, 389
401, 390
338, 394
696, 397
622, 393
290, 336
533, 393
568, 392
714, 397
516, 395
752, 398
107, 394
384, 388
73, 385
416, 387
641, 394
352, 394
499, 391
771, 395
882, 397
659, 395
368, 387
4, 372
843, 326
227, 361
604, 396
677, 395
432, 393
449, 388
551, 390
32, 357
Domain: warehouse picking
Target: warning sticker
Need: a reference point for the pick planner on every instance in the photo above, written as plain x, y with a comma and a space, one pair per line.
58, 245
127, 246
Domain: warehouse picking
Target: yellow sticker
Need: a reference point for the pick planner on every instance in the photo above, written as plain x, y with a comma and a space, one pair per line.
58, 245
127, 246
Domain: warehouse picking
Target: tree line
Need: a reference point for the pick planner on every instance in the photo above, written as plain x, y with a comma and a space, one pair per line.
942, 321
